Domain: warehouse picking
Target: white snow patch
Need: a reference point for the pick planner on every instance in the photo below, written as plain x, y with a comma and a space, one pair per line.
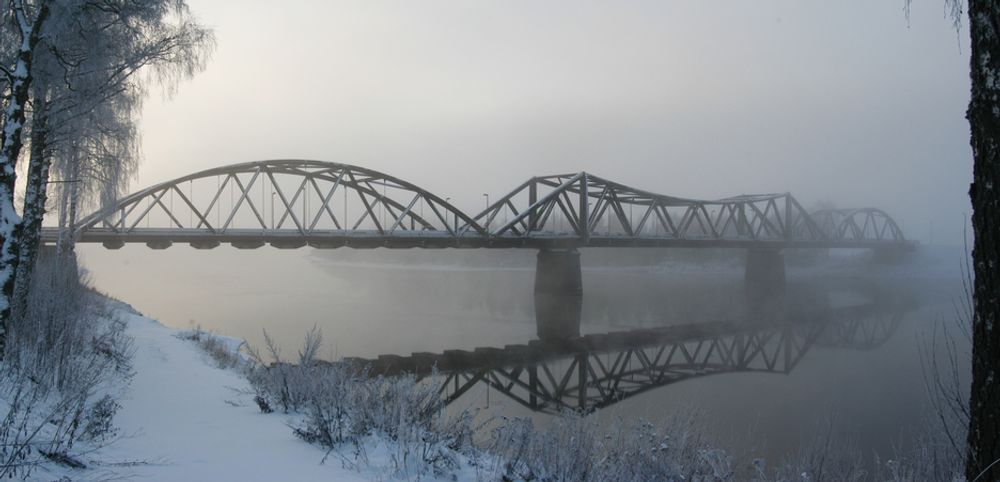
185, 420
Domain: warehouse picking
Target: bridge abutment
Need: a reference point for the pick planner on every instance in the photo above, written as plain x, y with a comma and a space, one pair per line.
765, 272
558, 294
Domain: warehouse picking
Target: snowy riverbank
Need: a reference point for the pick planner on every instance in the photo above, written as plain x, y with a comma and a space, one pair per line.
181, 418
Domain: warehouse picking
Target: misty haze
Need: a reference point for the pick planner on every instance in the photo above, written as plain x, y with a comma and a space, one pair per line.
556, 241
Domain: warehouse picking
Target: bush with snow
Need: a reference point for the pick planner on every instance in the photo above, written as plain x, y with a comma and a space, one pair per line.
345, 410
65, 351
576, 448
223, 351
398, 427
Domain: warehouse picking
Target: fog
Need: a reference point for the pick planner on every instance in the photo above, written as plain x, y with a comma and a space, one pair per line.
851, 103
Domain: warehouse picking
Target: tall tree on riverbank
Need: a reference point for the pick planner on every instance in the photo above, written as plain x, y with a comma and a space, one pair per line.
983, 440
75, 59
984, 121
28, 24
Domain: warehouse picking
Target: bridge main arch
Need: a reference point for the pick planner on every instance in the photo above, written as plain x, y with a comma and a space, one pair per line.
286, 202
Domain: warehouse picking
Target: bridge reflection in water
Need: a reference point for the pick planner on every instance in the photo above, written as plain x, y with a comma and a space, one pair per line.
598, 370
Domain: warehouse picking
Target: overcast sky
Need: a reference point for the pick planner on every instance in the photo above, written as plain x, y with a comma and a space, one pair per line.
843, 101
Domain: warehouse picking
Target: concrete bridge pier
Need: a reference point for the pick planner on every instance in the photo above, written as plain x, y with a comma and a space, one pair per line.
558, 294
889, 255
765, 272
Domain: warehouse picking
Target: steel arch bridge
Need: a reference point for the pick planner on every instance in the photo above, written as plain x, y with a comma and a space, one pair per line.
294, 203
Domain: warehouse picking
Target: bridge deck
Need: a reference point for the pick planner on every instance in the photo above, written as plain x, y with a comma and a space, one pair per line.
253, 238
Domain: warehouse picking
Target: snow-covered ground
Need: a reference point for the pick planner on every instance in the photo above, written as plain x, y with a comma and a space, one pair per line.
183, 419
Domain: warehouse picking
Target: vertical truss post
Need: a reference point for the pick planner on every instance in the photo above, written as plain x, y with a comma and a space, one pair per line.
584, 211
742, 226
581, 367
788, 216
532, 199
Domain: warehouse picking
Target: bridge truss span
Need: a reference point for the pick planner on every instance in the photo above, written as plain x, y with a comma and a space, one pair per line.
858, 224
293, 203
287, 203
600, 212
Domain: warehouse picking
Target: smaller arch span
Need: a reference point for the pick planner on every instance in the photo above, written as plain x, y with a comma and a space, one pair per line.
857, 224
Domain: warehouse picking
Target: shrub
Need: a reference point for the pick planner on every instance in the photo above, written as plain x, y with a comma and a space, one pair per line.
575, 448
222, 353
61, 350
342, 406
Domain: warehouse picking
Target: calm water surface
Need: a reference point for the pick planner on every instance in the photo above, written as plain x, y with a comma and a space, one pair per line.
373, 302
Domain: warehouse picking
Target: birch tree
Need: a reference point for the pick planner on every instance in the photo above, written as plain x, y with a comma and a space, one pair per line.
91, 57
982, 461
984, 122
28, 24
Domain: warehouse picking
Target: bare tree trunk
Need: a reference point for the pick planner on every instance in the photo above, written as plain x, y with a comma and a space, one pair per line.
984, 120
10, 149
74, 202
68, 194
63, 221
35, 197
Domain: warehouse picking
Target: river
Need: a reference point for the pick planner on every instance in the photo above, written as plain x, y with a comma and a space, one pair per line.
371, 302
